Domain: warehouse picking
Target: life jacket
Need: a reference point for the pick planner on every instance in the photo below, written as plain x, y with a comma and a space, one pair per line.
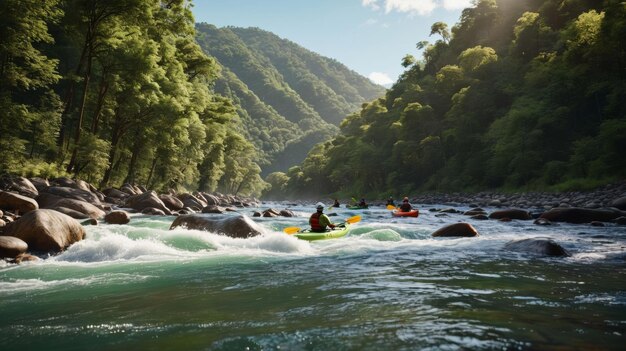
405, 207
314, 221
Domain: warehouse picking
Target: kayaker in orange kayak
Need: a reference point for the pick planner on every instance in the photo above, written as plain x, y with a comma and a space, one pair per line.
406, 206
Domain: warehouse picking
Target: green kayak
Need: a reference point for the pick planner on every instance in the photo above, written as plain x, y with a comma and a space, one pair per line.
329, 234
358, 207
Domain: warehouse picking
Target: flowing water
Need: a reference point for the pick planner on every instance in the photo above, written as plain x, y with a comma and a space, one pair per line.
387, 285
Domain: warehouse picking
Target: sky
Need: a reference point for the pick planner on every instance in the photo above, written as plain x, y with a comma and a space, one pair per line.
369, 36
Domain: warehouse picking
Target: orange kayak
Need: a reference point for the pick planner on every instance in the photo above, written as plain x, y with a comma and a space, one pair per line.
412, 213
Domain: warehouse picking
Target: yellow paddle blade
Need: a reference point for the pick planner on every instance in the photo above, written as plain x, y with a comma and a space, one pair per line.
354, 219
391, 207
291, 230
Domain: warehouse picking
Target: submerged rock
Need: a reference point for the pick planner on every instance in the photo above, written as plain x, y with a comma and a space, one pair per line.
117, 217
537, 246
456, 230
235, 226
579, 215
512, 213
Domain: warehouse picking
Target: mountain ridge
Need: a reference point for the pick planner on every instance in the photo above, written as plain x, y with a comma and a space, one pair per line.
289, 98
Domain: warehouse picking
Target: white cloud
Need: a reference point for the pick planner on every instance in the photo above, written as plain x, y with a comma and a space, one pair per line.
456, 4
412, 7
373, 4
415, 7
380, 78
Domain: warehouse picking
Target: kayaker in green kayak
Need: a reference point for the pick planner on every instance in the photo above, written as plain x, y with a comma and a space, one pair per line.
319, 221
406, 206
336, 204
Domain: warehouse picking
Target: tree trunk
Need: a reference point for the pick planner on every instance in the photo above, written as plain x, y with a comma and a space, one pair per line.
104, 87
130, 177
152, 168
81, 109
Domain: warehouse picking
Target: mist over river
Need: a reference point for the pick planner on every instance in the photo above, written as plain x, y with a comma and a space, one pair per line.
387, 285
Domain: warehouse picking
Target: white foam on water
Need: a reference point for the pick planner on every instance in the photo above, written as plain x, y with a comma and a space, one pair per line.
34, 284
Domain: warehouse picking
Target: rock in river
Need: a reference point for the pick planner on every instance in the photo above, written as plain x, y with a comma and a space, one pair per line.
233, 226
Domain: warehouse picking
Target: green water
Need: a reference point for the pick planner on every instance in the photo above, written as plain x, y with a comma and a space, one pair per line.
386, 286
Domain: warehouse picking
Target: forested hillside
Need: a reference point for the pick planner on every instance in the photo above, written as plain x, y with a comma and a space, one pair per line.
117, 91
288, 98
518, 94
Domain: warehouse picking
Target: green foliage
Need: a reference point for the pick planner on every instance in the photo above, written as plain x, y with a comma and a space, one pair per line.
132, 100
523, 95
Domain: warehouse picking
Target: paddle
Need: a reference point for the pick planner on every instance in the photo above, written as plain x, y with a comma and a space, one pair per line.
351, 220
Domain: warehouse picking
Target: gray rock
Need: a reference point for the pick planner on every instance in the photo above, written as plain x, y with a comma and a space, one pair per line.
235, 226
537, 246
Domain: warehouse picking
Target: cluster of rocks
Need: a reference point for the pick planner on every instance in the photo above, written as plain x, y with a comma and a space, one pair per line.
39, 217
576, 215
612, 195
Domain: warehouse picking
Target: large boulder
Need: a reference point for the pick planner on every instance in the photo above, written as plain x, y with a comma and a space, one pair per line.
46, 231
146, 200
537, 246
513, 213
456, 230
50, 201
579, 215
213, 209
191, 201
114, 193
151, 211
129, 189
18, 185
72, 213
39, 183
63, 182
211, 200
11, 247
287, 213
73, 193
235, 226
117, 217
16, 202
172, 202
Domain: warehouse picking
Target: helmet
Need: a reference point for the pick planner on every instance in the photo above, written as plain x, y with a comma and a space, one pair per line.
405, 199
319, 206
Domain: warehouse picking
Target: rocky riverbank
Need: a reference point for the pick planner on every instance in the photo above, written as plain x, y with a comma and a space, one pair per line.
41, 217
612, 195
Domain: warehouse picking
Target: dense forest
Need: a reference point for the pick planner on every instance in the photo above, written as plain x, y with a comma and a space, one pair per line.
126, 91
517, 95
288, 98
116, 91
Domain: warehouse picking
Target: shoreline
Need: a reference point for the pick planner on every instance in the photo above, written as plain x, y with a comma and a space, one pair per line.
601, 197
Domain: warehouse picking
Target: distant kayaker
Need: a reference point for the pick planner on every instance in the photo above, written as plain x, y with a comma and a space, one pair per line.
362, 203
319, 221
406, 206
390, 202
336, 204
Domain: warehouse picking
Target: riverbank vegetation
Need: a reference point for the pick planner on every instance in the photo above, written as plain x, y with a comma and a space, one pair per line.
117, 91
517, 95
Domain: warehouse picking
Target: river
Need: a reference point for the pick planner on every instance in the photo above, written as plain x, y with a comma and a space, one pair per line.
387, 285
